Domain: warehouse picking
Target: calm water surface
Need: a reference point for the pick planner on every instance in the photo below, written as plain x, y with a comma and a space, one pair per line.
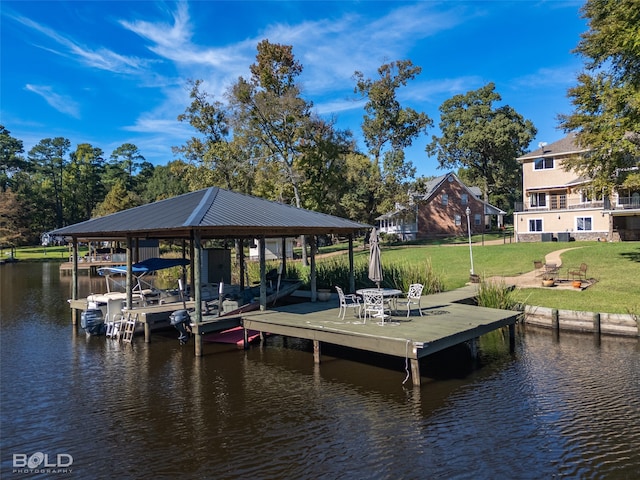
560, 407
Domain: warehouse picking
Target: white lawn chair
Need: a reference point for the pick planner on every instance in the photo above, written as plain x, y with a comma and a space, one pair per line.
413, 297
374, 306
347, 301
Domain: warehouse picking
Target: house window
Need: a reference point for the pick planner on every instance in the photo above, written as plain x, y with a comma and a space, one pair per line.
458, 220
445, 199
558, 201
538, 199
477, 219
464, 199
587, 196
584, 224
535, 225
543, 163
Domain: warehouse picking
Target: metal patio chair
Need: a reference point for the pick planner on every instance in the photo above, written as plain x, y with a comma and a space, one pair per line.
413, 297
347, 301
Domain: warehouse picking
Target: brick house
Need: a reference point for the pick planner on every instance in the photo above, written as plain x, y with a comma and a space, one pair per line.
557, 205
440, 211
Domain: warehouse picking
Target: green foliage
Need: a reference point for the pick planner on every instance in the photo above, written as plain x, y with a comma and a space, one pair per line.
13, 227
127, 159
496, 295
332, 271
11, 159
83, 188
606, 100
388, 129
117, 199
484, 139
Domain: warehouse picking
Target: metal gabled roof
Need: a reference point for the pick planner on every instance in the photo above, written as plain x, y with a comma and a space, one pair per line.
214, 212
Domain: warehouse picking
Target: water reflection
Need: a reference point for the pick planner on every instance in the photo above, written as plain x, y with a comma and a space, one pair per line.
564, 406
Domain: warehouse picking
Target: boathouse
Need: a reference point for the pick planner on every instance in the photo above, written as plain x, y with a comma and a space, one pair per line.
215, 213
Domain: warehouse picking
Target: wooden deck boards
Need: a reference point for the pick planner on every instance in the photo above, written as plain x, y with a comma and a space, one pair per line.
442, 325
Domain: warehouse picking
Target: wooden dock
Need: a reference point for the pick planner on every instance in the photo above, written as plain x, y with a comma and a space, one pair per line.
448, 319
445, 323
91, 267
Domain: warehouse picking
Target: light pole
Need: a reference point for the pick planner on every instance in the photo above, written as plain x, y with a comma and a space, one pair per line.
468, 212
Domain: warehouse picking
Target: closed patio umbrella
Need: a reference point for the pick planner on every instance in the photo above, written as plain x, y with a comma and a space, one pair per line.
375, 265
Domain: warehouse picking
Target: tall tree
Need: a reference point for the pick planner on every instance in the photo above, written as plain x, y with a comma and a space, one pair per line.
388, 128
323, 160
270, 113
166, 181
11, 160
128, 159
606, 100
84, 188
219, 159
482, 139
119, 198
48, 157
14, 217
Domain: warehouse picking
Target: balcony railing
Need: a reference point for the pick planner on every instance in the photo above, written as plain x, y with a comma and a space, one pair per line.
406, 228
571, 205
629, 202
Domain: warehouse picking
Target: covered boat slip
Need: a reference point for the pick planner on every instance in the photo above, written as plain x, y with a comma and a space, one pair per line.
444, 323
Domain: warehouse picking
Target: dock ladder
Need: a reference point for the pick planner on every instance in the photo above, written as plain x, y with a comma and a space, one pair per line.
114, 327
130, 324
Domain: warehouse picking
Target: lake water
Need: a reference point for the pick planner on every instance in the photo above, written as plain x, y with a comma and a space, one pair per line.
561, 406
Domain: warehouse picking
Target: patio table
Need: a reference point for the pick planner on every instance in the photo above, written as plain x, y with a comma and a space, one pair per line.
388, 293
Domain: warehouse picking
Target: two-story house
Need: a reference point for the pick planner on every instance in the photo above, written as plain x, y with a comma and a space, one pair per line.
558, 205
441, 210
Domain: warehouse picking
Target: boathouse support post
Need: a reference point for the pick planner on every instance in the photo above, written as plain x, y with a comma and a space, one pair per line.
283, 267
192, 254
242, 266
74, 281
263, 273
312, 271
352, 276
129, 280
197, 278
316, 352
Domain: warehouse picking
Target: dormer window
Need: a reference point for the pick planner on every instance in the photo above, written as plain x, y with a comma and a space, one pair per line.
543, 163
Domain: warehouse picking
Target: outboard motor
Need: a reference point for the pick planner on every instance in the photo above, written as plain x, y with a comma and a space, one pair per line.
180, 319
92, 321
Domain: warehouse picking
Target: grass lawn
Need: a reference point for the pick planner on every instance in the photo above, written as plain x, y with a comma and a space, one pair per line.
42, 253
615, 266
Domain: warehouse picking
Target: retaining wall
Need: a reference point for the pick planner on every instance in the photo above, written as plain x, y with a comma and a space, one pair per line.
605, 323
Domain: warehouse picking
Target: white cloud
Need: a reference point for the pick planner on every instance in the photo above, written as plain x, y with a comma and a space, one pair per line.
62, 103
101, 58
550, 77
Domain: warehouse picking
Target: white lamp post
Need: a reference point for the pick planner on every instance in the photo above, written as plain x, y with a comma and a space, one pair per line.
468, 212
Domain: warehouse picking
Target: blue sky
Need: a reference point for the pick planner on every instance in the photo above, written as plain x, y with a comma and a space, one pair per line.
108, 73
